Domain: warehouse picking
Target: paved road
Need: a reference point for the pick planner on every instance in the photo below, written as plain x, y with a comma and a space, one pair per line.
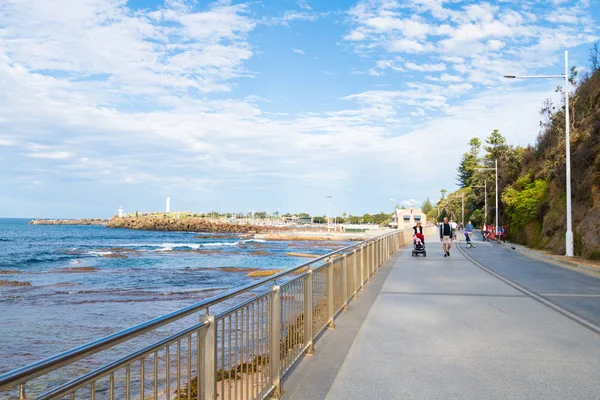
442, 328
571, 290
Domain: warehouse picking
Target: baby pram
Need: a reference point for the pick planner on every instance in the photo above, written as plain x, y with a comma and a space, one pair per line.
419, 245
470, 244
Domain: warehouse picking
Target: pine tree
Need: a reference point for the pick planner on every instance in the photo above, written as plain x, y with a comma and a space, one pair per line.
426, 207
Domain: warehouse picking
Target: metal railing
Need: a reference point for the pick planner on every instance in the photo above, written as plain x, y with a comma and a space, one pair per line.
241, 345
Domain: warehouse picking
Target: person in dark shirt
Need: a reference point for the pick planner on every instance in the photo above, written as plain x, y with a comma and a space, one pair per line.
446, 236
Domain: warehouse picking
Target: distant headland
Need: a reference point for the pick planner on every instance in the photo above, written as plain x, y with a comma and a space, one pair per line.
83, 221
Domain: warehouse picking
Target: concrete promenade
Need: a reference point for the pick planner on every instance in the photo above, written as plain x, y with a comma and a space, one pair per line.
443, 328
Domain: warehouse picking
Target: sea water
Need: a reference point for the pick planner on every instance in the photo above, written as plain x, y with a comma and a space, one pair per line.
85, 282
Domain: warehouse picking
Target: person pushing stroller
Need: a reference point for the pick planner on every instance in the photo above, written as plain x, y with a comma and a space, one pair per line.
418, 241
418, 237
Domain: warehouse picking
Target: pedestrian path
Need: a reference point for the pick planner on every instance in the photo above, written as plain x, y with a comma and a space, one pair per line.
442, 328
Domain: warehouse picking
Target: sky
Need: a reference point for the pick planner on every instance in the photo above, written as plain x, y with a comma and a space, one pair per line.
265, 105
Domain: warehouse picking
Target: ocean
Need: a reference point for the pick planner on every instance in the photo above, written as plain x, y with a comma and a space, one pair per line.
80, 283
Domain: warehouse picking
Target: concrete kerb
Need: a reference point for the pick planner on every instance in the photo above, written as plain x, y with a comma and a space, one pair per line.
593, 327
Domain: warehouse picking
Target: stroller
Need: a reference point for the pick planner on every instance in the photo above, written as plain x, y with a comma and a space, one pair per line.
419, 245
486, 236
470, 244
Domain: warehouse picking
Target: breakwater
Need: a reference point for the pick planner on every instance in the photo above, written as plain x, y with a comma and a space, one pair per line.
84, 221
186, 225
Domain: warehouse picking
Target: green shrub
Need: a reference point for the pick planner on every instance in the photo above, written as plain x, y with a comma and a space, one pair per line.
522, 200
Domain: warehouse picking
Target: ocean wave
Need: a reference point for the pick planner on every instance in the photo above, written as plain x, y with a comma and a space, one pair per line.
4, 240
99, 253
168, 246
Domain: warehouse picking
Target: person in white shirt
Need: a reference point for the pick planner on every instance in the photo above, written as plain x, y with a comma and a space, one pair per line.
454, 228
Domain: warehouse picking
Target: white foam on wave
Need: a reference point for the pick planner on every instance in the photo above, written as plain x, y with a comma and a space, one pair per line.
217, 244
254, 241
99, 253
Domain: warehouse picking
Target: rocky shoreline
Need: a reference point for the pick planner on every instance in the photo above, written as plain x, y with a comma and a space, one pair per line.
186, 225
84, 221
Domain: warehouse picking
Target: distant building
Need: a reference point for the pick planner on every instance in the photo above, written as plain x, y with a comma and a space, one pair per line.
168, 205
408, 218
120, 211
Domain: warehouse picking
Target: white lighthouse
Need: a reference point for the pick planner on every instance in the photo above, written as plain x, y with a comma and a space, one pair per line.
120, 211
168, 204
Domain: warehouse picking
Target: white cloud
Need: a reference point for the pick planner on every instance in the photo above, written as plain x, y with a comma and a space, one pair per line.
60, 155
473, 38
408, 46
291, 15
410, 202
426, 67
298, 51
303, 4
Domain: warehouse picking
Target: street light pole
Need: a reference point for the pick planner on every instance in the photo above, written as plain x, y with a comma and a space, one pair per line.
496, 229
328, 213
484, 199
463, 209
495, 169
569, 233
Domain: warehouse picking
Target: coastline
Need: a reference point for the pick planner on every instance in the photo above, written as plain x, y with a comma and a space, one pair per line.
82, 221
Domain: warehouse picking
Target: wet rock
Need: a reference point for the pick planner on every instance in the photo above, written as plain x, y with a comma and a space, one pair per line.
14, 283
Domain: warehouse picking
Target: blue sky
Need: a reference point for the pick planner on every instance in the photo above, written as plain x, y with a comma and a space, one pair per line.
265, 104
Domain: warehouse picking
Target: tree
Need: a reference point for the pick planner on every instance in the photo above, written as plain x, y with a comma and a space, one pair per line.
496, 144
319, 220
443, 192
475, 144
466, 170
352, 219
303, 215
426, 207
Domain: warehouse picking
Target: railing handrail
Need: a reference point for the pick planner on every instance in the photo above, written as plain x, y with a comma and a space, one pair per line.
34, 370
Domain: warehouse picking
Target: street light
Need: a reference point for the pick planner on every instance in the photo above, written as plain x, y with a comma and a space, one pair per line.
484, 199
569, 234
494, 169
328, 212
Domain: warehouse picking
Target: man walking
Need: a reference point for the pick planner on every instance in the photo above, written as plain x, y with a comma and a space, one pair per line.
446, 236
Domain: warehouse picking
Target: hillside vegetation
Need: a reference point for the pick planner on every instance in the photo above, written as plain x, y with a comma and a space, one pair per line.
532, 180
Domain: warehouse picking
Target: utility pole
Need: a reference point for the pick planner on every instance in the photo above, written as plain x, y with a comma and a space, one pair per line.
496, 230
569, 233
463, 209
328, 213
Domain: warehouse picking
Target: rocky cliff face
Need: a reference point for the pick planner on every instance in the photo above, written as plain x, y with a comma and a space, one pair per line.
185, 225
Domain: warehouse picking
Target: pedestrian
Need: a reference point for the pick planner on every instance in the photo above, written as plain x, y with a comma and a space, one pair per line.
417, 229
446, 236
454, 229
469, 229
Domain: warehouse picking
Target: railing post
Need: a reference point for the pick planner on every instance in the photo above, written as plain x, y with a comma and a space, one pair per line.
355, 285
368, 262
330, 312
362, 268
209, 351
345, 281
308, 312
373, 258
275, 345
